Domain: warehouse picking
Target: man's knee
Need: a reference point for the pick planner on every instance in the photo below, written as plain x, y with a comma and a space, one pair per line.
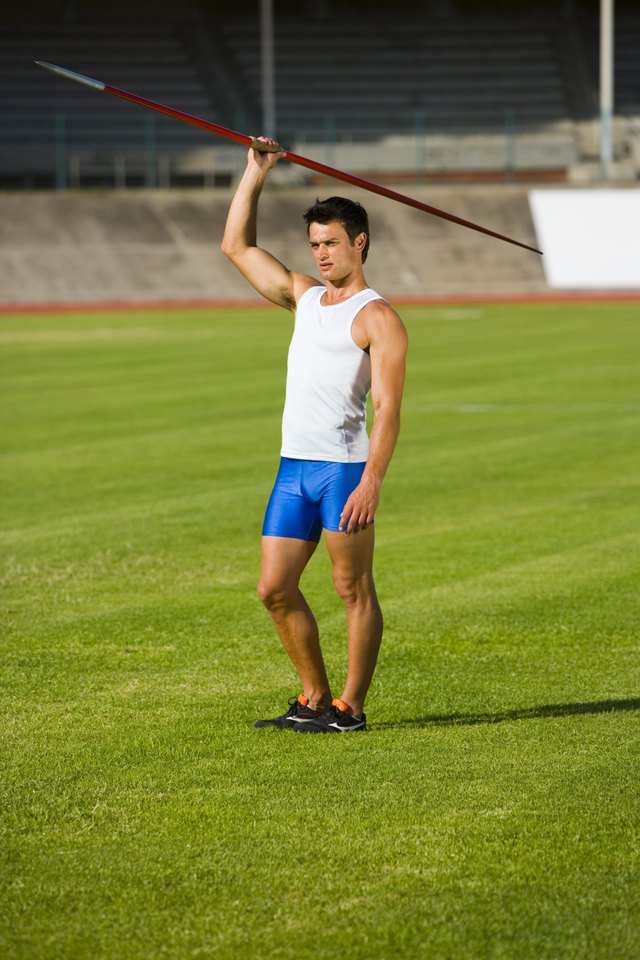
274, 595
353, 589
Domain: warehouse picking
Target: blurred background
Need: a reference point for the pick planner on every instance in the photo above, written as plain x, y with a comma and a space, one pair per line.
468, 104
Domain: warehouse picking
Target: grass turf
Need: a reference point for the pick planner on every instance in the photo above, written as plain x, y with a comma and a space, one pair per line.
490, 812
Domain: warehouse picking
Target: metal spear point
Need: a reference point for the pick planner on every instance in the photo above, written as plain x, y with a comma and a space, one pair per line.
252, 142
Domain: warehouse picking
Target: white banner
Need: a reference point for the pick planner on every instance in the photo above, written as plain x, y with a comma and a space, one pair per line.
590, 238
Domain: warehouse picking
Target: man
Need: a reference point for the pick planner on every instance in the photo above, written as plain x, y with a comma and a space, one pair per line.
347, 340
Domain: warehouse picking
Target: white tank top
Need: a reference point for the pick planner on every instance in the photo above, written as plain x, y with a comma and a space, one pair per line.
328, 380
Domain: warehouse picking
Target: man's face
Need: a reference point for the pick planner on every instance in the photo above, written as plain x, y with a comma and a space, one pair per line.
335, 256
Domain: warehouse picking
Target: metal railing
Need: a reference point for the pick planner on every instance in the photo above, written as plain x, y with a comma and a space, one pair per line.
63, 150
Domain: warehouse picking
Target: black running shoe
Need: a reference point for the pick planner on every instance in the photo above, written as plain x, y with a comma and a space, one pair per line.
336, 719
298, 712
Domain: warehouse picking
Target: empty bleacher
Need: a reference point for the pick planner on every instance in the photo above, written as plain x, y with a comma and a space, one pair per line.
41, 114
439, 94
627, 60
387, 72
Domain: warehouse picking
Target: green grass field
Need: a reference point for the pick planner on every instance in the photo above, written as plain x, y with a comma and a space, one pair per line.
491, 811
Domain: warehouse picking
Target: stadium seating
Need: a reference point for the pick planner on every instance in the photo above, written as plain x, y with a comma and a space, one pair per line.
627, 60
441, 95
460, 74
41, 114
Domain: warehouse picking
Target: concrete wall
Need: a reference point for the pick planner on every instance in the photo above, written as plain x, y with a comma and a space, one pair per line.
164, 245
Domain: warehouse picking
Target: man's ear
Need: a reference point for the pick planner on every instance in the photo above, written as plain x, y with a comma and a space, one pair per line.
361, 241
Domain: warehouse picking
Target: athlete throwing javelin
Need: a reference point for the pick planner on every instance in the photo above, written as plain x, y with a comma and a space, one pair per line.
347, 341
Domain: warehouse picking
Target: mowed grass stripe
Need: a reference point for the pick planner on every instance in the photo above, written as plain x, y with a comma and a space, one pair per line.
490, 812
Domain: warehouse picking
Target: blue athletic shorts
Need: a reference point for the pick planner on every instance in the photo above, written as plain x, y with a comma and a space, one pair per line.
309, 496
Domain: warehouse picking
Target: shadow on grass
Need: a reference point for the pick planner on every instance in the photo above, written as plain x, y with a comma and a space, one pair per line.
530, 713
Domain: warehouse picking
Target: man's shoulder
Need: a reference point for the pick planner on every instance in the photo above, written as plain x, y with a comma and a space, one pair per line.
378, 325
301, 284
379, 313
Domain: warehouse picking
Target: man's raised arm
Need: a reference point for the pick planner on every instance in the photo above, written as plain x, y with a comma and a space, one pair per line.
239, 243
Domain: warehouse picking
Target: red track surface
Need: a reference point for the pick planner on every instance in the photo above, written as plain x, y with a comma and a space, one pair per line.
581, 296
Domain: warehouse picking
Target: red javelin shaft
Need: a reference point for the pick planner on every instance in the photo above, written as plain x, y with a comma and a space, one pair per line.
292, 157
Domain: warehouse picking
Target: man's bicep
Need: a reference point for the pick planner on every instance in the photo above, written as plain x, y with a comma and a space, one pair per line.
267, 275
388, 351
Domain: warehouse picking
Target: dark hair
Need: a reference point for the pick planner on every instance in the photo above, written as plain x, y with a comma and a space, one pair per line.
349, 213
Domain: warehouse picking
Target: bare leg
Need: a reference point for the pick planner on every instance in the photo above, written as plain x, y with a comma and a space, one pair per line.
352, 559
283, 562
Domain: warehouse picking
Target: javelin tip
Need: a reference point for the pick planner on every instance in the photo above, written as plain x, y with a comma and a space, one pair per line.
70, 75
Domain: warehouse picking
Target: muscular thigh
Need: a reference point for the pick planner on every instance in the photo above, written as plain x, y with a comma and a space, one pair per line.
351, 555
284, 560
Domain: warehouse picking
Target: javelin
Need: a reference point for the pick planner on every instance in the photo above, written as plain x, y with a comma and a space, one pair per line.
292, 157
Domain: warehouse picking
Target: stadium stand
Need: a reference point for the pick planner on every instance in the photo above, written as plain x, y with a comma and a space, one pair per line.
627, 61
434, 90
42, 116
443, 89
626, 86
458, 74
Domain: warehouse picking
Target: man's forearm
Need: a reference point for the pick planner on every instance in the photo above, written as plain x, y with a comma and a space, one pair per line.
241, 229
384, 435
361, 506
240, 241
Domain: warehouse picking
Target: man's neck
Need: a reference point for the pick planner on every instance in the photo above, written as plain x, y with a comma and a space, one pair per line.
336, 293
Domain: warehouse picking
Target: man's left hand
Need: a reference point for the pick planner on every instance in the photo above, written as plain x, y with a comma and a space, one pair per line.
360, 508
